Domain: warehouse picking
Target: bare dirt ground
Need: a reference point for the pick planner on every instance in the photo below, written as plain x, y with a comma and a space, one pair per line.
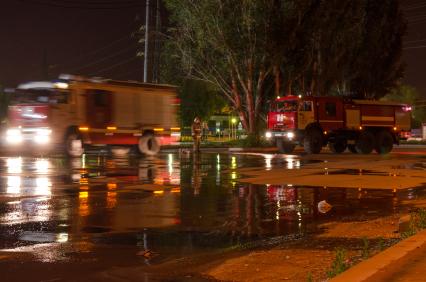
310, 258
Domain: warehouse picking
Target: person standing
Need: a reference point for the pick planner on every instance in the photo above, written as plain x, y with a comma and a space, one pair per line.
196, 134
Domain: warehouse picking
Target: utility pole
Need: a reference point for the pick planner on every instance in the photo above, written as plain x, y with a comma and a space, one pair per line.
145, 62
156, 63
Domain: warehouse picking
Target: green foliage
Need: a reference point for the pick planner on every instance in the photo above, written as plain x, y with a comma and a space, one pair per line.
339, 264
381, 244
365, 248
408, 94
199, 99
417, 222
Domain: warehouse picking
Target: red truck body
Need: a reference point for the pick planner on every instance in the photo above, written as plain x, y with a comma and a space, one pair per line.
359, 125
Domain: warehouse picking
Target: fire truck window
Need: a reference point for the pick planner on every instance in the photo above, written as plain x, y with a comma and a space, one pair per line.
287, 106
330, 109
306, 106
59, 97
100, 97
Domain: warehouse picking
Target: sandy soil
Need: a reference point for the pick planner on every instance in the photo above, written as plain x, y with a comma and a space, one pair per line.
313, 257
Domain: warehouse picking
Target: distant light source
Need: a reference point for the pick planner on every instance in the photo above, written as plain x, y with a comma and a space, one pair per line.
83, 128
158, 129
234, 120
111, 128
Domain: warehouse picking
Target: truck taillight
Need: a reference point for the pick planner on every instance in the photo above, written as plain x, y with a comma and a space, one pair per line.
407, 109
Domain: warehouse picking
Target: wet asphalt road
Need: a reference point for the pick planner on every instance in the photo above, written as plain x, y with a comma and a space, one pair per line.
109, 218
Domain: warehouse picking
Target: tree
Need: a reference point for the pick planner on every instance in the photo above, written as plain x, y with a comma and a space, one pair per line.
224, 43
377, 59
322, 47
408, 94
199, 99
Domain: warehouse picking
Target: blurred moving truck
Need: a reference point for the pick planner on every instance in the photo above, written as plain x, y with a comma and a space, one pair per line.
73, 112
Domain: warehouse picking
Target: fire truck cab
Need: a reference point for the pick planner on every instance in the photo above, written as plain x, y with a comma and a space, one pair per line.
341, 123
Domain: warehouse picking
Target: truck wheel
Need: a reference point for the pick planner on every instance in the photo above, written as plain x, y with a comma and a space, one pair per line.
365, 143
338, 146
352, 149
148, 145
313, 141
384, 142
285, 147
74, 145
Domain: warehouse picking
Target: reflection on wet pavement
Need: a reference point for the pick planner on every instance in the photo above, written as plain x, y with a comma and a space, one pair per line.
174, 204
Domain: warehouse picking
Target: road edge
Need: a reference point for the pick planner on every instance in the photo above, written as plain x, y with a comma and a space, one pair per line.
371, 266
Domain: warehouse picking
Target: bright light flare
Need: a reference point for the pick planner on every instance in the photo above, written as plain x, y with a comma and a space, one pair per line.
14, 136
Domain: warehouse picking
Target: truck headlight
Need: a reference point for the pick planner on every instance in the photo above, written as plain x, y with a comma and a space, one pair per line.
290, 135
268, 134
42, 136
14, 136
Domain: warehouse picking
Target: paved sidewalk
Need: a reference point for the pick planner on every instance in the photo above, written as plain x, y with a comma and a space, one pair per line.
411, 268
405, 261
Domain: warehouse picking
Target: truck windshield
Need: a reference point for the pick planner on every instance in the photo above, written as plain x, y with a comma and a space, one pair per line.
284, 106
40, 96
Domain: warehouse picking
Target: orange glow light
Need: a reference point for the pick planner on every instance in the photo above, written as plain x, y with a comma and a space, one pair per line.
112, 186
160, 192
83, 128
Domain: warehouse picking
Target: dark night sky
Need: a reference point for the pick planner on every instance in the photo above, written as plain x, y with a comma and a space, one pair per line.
100, 41
70, 38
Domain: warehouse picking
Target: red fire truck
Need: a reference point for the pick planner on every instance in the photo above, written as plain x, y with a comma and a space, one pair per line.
73, 112
359, 125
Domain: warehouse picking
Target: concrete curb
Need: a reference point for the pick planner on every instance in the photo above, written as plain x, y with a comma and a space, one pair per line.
368, 268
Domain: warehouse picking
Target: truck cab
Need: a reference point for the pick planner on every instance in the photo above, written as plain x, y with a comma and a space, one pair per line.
35, 109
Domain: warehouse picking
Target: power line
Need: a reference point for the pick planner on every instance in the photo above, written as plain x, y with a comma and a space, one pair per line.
414, 6
103, 59
98, 50
115, 65
84, 5
414, 47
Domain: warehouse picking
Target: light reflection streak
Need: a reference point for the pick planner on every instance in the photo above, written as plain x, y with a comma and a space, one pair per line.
233, 163
43, 186
13, 185
268, 161
42, 166
14, 165
170, 164
83, 201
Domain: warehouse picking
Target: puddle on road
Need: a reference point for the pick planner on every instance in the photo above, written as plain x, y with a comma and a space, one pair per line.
204, 209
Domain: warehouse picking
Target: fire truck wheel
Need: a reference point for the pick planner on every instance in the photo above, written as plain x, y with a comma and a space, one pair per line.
352, 149
365, 143
74, 145
338, 146
148, 145
313, 141
384, 142
285, 147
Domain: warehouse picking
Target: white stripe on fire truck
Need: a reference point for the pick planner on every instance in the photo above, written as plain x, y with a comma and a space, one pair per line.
376, 118
327, 120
